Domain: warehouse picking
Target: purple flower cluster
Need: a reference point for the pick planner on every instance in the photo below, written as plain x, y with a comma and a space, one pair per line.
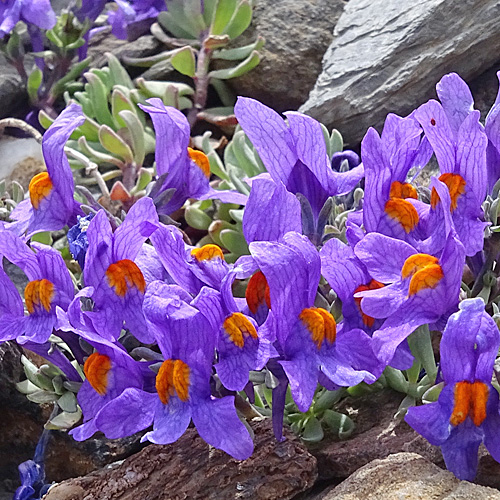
396, 266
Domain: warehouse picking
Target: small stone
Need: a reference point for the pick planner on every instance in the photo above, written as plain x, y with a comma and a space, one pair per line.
407, 476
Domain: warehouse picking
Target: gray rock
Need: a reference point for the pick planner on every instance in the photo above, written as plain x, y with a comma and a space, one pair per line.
388, 55
297, 33
406, 476
12, 92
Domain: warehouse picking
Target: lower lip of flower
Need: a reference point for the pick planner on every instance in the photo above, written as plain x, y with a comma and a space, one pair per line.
238, 328
96, 370
39, 293
257, 292
39, 188
403, 212
124, 275
173, 379
456, 186
470, 400
320, 323
207, 252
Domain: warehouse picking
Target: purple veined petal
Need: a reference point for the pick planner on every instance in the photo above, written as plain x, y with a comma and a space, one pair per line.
10, 300
134, 317
183, 330
471, 155
170, 421
211, 271
310, 146
99, 253
140, 222
383, 302
149, 263
169, 243
432, 421
422, 157
243, 268
288, 277
127, 414
377, 179
53, 268
16, 251
270, 136
458, 359
172, 139
53, 144
218, 424
211, 305
456, 98
302, 373
403, 358
235, 363
344, 182
383, 257
12, 326
38, 328
487, 342
434, 121
342, 269
225, 196
491, 425
492, 129
270, 201
40, 13
460, 450
397, 328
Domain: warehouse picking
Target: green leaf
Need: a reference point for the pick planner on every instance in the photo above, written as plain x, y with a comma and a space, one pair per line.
64, 420
120, 102
327, 399
209, 12
244, 67
74, 73
136, 131
67, 402
226, 94
215, 229
34, 82
119, 75
113, 143
87, 107
396, 380
336, 142
143, 179
341, 424
99, 96
184, 61
216, 165
239, 53
223, 14
97, 156
176, 23
421, 347
44, 119
158, 89
240, 21
234, 241
26, 387
313, 432
197, 218
41, 397
89, 128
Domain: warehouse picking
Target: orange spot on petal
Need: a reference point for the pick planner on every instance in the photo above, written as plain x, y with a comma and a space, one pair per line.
320, 323
428, 277
39, 188
173, 378
402, 190
124, 275
207, 252
373, 285
96, 369
257, 292
456, 186
403, 212
416, 262
470, 401
238, 327
39, 293
201, 159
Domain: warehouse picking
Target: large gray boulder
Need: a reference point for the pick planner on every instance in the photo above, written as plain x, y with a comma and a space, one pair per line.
297, 34
387, 56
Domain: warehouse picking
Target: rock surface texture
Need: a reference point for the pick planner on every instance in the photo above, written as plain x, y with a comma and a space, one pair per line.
406, 476
388, 55
190, 469
297, 34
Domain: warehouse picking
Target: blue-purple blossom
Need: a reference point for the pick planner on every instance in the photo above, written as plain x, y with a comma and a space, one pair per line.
467, 411
77, 239
37, 12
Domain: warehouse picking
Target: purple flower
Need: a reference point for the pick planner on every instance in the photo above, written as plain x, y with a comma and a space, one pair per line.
421, 288
187, 343
134, 17
118, 283
347, 275
391, 204
184, 170
311, 344
51, 204
492, 129
467, 411
49, 286
77, 239
190, 267
37, 12
242, 345
294, 154
459, 143
270, 201
90, 9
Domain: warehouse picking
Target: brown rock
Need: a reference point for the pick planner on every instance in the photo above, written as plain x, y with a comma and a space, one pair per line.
407, 476
190, 469
377, 435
